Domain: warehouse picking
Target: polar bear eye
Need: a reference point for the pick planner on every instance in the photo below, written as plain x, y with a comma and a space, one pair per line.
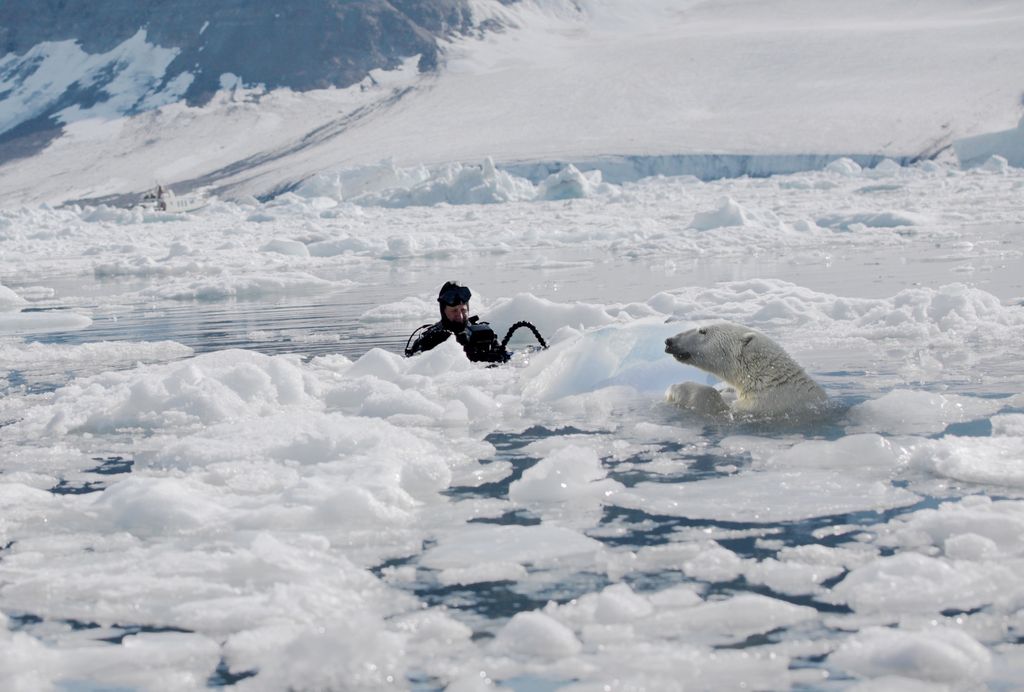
702, 331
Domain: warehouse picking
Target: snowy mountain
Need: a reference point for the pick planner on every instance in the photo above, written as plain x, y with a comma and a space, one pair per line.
135, 56
99, 101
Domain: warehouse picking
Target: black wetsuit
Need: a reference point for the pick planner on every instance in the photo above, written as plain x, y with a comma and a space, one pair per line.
477, 339
433, 335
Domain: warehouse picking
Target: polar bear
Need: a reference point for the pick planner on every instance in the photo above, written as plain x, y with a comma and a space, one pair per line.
767, 382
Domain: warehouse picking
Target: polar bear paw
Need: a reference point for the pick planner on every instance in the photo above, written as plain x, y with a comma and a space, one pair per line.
699, 398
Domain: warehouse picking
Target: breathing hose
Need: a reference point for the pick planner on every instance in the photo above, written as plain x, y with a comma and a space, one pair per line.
517, 325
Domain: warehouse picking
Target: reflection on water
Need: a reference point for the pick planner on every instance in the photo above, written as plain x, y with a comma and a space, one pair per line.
330, 323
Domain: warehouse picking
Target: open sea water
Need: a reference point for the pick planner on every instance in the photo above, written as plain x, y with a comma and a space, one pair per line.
331, 323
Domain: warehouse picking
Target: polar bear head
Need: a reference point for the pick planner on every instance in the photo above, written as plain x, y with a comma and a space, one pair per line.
745, 358
716, 348
764, 376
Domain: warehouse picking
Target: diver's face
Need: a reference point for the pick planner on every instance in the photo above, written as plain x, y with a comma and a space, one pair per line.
457, 313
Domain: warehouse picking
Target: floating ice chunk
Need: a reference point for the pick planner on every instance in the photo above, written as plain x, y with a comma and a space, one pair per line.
283, 246
938, 655
919, 413
10, 300
992, 461
807, 182
455, 184
668, 556
572, 474
953, 314
886, 168
377, 363
631, 355
30, 664
482, 573
377, 398
434, 628
1008, 424
142, 266
546, 315
999, 523
244, 287
204, 390
12, 320
766, 497
805, 226
42, 322
35, 356
533, 634
116, 215
27, 663
845, 167
357, 507
982, 149
350, 183
728, 213
401, 246
790, 577
679, 596
956, 306
619, 603
476, 681
714, 563
913, 583
872, 219
34, 293
149, 507
570, 183
996, 164
724, 621
854, 453
409, 309
895, 683
353, 650
345, 244
519, 544
854, 555
970, 546
448, 357
22, 504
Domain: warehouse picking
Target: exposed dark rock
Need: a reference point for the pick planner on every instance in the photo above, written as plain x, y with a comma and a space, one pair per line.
306, 44
302, 45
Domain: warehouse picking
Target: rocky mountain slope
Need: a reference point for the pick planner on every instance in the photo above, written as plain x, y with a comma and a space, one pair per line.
191, 44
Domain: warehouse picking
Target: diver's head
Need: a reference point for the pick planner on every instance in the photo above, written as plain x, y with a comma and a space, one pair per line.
454, 304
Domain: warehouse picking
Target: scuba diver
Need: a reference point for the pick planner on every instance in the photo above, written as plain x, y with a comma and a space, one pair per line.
477, 338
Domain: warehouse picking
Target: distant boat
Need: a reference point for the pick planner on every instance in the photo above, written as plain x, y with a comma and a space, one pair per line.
163, 198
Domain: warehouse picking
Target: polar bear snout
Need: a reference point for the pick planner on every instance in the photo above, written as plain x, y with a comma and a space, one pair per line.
672, 348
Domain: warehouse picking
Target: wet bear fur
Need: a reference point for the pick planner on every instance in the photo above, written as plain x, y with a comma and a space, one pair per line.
767, 382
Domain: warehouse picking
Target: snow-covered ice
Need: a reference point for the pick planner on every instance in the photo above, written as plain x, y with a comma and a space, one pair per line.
241, 515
